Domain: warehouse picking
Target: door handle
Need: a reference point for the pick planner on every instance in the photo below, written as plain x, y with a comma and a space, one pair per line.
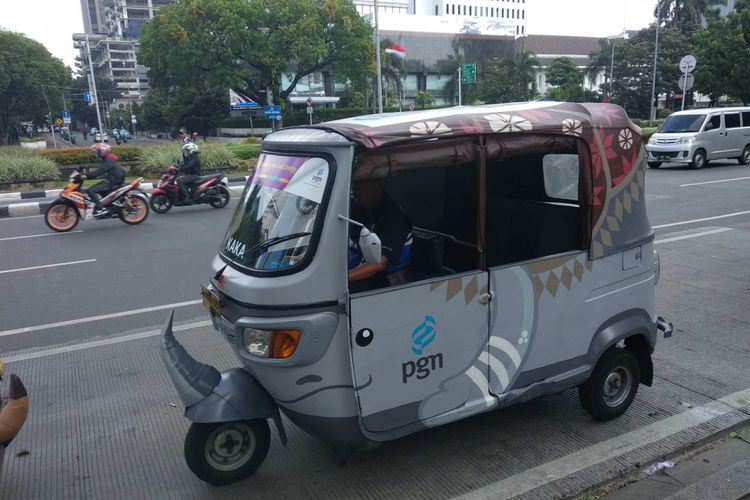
486, 298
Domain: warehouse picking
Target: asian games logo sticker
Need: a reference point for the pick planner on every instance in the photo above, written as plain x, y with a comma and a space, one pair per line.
317, 178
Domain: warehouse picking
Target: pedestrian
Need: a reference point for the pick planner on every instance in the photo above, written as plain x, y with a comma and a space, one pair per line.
85, 134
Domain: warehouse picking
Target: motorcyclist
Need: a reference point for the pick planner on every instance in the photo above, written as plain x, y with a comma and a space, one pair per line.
112, 171
190, 166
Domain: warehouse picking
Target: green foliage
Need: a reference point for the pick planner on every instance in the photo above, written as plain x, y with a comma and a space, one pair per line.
21, 164
246, 151
686, 15
250, 44
509, 80
634, 68
156, 159
566, 80
424, 100
25, 65
80, 110
723, 53
646, 133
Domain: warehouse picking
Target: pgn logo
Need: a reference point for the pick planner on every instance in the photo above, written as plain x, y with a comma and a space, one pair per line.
421, 337
318, 177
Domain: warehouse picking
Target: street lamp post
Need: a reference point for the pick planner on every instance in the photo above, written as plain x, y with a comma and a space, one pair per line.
93, 84
377, 59
656, 51
623, 36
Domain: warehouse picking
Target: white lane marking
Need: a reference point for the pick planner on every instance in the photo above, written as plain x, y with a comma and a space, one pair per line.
47, 265
27, 329
694, 235
714, 182
17, 218
40, 235
587, 457
100, 343
735, 214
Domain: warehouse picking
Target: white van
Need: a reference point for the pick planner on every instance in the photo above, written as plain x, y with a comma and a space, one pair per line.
699, 135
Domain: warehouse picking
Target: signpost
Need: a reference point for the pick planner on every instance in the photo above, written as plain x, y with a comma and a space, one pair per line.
66, 117
467, 73
87, 97
686, 81
273, 112
310, 108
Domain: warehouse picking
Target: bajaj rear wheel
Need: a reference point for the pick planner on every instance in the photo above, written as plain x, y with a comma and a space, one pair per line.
134, 209
227, 452
610, 389
61, 217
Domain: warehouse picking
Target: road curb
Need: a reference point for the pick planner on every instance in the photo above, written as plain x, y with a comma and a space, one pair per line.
27, 209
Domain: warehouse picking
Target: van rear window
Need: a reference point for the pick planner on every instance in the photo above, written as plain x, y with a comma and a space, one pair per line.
746, 118
731, 120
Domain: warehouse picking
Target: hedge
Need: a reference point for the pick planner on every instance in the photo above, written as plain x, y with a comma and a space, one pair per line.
246, 151
21, 164
156, 159
79, 155
646, 133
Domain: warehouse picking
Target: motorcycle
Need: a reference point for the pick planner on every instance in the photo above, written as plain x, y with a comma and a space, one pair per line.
207, 189
125, 203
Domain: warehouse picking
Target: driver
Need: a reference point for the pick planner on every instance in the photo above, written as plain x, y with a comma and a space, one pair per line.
113, 172
372, 207
190, 166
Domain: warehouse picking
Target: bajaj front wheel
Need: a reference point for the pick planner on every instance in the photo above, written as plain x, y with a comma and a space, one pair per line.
61, 217
227, 452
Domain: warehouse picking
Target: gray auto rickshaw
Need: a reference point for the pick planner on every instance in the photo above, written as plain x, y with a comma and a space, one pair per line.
531, 270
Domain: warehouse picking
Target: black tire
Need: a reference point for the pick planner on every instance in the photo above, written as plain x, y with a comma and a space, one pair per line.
61, 217
613, 384
222, 197
699, 159
160, 203
227, 452
134, 209
654, 164
745, 158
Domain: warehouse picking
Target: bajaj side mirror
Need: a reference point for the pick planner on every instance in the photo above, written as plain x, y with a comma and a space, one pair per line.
369, 245
369, 242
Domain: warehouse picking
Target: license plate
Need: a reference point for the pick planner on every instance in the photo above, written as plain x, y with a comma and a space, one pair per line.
210, 301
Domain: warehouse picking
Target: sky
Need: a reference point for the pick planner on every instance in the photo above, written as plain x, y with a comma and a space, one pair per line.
53, 22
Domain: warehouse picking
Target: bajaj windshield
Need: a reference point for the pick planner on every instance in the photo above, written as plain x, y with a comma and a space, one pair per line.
275, 224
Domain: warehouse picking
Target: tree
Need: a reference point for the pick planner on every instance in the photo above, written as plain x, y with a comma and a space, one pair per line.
600, 61
28, 73
565, 78
723, 52
685, 15
251, 44
509, 80
634, 67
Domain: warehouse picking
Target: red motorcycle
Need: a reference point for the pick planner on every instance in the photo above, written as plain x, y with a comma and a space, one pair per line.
207, 189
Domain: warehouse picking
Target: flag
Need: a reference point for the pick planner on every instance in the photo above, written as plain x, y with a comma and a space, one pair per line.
397, 50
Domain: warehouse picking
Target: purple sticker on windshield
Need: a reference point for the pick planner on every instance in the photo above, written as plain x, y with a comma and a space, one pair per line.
276, 171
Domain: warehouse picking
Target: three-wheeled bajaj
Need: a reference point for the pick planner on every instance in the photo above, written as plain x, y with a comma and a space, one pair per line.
532, 270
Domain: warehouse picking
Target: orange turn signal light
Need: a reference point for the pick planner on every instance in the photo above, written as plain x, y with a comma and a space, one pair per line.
284, 343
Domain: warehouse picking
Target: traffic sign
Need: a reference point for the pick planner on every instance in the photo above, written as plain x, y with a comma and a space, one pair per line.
87, 97
309, 102
59, 121
469, 73
686, 81
687, 63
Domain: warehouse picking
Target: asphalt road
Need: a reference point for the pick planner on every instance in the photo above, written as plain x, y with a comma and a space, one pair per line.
544, 449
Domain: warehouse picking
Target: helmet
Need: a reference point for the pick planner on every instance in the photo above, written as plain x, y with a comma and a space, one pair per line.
189, 148
182, 130
101, 149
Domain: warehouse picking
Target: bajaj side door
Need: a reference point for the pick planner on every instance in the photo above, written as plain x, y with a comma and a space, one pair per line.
419, 351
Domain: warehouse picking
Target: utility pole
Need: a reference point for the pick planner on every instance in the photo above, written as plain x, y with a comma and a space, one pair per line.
377, 60
459, 84
93, 84
656, 51
51, 124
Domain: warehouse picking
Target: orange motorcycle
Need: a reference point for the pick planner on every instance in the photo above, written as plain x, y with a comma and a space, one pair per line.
126, 203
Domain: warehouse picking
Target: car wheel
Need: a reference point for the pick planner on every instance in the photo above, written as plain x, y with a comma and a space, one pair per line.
699, 159
745, 158
610, 389
654, 164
